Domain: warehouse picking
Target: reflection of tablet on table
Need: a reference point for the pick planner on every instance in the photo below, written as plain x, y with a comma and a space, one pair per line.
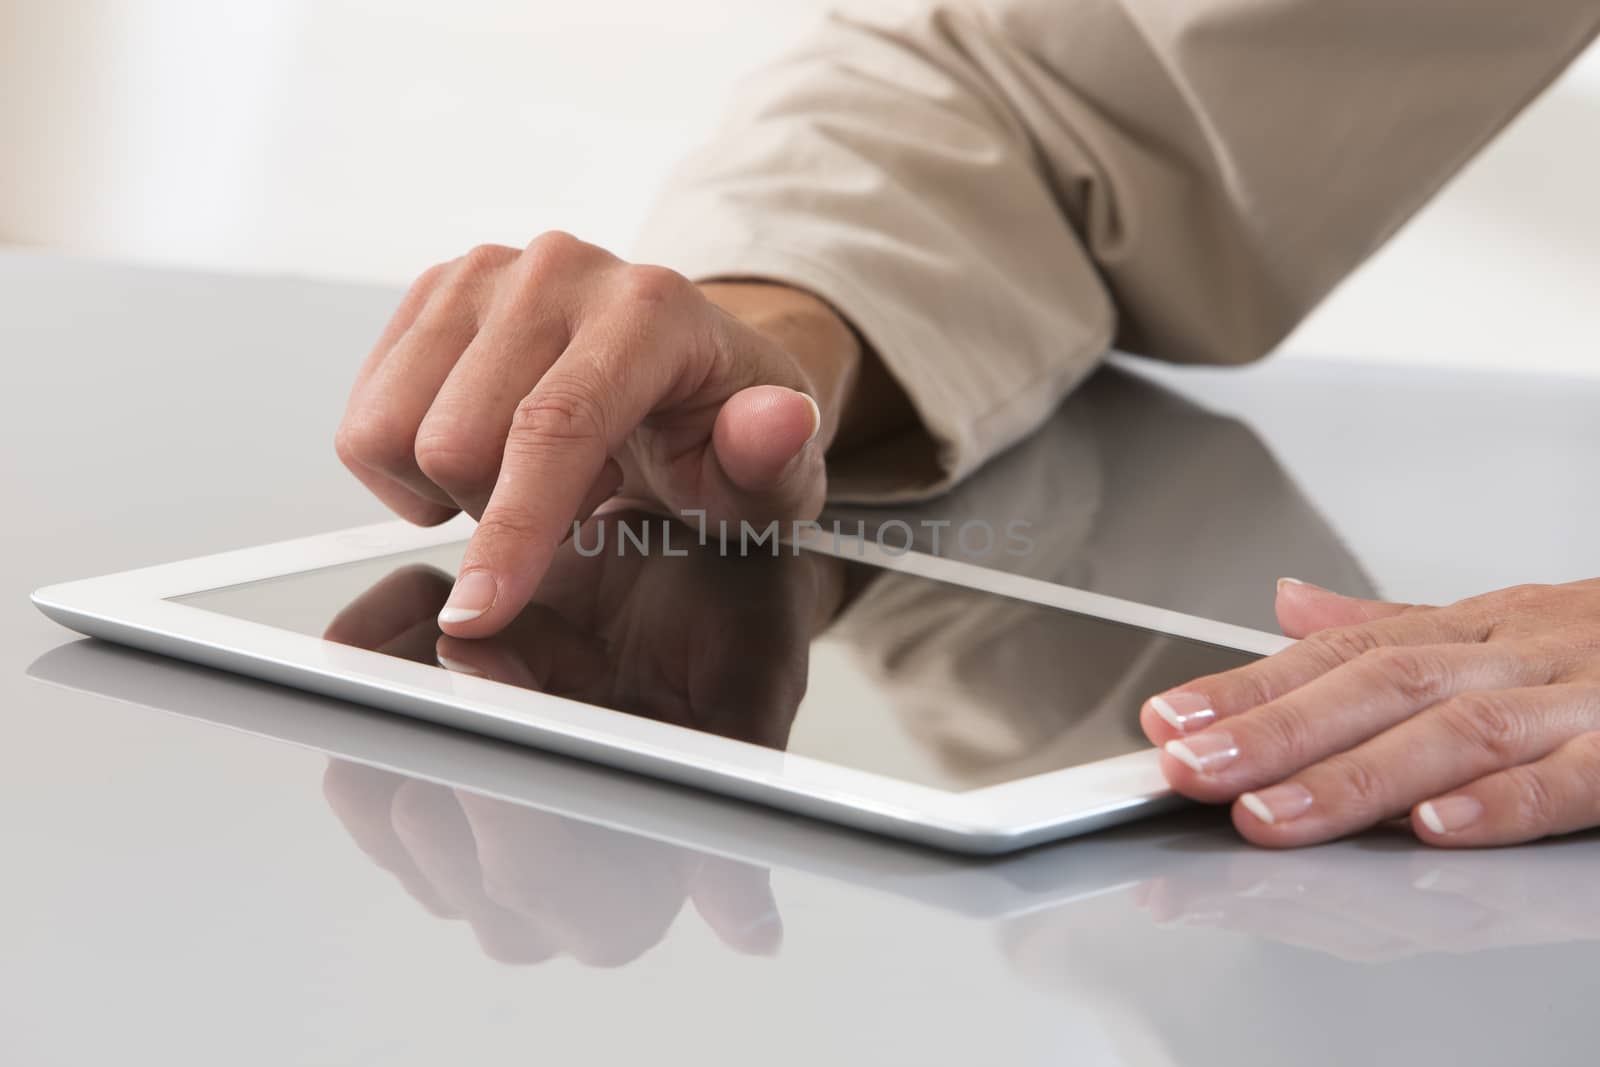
905, 694
601, 799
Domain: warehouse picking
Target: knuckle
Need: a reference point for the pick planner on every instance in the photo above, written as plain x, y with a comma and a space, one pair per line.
370, 439
469, 284
1586, 747
1528, 592
1415, 675
483, 260
1511, 601
552, 259
555, 414
431, 278
1357, 783
507, 526
1486, 724
1550, 656
1342, 645
1586, 757
1533, 801
1241, 689
451, 304
450, 460
559, 249
643, 284
1287, 732
454, 302
346, 446
1577, 651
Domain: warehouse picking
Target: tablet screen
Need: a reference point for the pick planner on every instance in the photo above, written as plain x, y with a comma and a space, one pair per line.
896, 674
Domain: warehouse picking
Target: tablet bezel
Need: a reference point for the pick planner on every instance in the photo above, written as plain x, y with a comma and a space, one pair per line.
137, 608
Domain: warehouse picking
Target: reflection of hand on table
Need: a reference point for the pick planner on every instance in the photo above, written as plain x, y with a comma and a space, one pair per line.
720, 644
533, 885
1373, 905
1270, 940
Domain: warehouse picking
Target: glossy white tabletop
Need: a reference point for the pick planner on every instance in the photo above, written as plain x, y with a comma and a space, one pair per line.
201, 869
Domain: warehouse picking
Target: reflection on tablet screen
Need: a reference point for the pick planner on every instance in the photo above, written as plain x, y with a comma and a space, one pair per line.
892, 673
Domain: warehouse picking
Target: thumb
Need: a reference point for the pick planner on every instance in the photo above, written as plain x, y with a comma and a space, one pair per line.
1303, 608
766, 454
760, 431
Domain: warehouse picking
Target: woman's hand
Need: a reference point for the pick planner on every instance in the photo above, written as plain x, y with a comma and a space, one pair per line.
1481, 720
526, 387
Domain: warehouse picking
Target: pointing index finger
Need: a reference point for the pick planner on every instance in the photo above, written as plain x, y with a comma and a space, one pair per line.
561, 437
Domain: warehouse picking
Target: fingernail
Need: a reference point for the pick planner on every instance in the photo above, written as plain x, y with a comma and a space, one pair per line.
1437, 880
1450, 814
816, 417
1428, 880
471, 597
1184, 711
763, 934
1205, 753
455, 666
1281, 803
1201, 918
1297, 581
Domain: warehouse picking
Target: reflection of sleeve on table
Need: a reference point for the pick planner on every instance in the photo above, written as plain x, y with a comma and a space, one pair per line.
1130, 491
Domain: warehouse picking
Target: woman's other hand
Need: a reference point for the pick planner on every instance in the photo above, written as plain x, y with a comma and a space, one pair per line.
1479, 721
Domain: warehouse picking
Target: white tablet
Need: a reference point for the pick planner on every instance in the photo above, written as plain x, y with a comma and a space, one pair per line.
836, 676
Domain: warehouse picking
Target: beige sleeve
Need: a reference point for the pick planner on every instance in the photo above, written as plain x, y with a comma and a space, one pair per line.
995, 193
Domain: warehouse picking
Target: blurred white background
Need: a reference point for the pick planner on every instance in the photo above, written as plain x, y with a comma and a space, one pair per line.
366, 139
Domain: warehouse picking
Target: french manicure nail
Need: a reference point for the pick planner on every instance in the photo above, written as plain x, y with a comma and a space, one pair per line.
1286, 581
1450, 814
1184, 712
471, 597
1205, 753
764, 933
816, 417
1279, 804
